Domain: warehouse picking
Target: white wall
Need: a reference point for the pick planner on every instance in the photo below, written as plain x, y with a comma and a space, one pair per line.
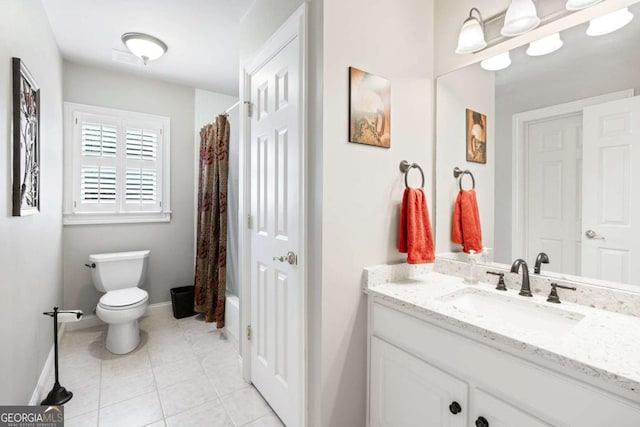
31, 246
171, 244
361, 185
262, 20
473, 88
208, 105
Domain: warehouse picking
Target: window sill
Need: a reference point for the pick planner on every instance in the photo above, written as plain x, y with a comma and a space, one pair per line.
130, 218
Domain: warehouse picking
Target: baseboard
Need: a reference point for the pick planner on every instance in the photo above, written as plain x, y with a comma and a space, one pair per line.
86, 322
159, 308
229, 336
42, 386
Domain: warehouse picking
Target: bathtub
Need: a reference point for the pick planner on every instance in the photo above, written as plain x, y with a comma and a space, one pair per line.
232, 319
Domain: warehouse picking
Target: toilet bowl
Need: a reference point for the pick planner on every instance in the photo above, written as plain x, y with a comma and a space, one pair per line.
119, 275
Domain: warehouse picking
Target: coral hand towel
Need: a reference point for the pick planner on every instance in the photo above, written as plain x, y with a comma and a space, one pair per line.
416, 236
466, 222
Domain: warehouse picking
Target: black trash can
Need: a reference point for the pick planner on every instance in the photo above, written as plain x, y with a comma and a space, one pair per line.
182, 301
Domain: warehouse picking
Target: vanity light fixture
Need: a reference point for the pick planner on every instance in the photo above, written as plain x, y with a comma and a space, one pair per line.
580, 4
609, 23
471, 37
144, 46
521, 17
545, 45
498, 62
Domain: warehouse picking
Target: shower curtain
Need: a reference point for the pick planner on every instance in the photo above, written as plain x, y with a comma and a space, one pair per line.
211, 253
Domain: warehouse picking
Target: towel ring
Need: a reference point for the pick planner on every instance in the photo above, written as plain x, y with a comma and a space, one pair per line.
459, 173
405, 167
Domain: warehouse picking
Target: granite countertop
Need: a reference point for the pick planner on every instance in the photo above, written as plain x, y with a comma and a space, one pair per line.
598, 343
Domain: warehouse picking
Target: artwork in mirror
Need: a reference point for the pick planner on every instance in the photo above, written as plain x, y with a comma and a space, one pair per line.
369, 109
26, 141
567, 156
476, 137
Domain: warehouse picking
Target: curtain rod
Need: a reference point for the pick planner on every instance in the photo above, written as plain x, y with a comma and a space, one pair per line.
228, 110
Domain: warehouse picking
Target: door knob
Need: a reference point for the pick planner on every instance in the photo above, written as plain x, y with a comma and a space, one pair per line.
290, 257
592, 235
482, 422
455, 408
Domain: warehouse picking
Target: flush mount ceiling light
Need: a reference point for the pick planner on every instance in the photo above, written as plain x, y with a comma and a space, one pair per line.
521, 17
545, 45
580, 4
609, 23
471, 38
144, 46
498, 62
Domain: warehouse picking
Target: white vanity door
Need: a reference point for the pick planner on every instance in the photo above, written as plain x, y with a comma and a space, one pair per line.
405, 391
498, 413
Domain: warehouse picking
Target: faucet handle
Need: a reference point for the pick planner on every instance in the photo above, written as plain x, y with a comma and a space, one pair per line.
501, 285
553, 295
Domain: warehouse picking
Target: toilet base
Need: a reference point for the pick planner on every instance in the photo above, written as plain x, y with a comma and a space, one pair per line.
123, 338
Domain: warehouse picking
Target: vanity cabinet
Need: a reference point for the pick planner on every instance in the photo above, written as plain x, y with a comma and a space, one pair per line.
407, 391
417, 369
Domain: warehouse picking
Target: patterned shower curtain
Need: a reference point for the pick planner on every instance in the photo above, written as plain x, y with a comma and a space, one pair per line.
211, 254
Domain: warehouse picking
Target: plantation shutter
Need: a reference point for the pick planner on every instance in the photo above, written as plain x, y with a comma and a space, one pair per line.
97, 174
143, 169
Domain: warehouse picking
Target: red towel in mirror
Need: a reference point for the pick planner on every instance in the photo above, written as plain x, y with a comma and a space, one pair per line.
416, 236
465, 229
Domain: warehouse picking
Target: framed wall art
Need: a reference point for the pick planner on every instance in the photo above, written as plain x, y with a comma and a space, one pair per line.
26, 141
476, 137
369, 109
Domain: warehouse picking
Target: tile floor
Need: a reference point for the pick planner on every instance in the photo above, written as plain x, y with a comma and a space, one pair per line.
183, 373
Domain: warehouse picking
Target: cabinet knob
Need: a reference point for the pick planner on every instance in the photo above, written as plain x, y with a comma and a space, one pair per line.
455, 408
482, 422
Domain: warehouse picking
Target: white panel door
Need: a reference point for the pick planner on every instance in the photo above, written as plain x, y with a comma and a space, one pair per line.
554, 167
405, 391
276, 283
498, 413
611, 213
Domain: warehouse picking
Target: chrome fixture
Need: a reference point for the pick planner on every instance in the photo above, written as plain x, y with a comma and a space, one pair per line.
521, 17
144, 46
590, 234
609, 23
553, 295
290, 257
525, 289
542, 258
471, 37
501, 286
405, 167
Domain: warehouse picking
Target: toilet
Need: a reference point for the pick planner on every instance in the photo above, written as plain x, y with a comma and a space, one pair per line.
119, 275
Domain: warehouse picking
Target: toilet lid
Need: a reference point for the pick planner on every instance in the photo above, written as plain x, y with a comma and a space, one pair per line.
123, 297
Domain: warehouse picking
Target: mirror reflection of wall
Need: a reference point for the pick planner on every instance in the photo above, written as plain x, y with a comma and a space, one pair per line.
555, 179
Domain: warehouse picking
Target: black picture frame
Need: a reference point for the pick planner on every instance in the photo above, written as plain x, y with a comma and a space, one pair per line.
26, 141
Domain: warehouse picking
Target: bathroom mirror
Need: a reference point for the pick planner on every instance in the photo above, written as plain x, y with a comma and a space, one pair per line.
562, 172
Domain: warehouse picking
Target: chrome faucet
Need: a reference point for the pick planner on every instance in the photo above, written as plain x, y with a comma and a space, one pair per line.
525, 290
542, 258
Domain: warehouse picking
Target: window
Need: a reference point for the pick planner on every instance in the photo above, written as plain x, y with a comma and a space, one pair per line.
116, 166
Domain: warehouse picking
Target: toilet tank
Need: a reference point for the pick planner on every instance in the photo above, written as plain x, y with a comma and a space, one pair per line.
118, 270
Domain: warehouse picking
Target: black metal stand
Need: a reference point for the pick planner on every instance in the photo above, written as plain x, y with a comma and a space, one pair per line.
58, 394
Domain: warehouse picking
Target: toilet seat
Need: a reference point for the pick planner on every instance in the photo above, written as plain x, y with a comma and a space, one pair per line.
123, 299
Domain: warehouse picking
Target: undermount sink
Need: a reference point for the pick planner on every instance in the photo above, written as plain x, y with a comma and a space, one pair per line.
514, 312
